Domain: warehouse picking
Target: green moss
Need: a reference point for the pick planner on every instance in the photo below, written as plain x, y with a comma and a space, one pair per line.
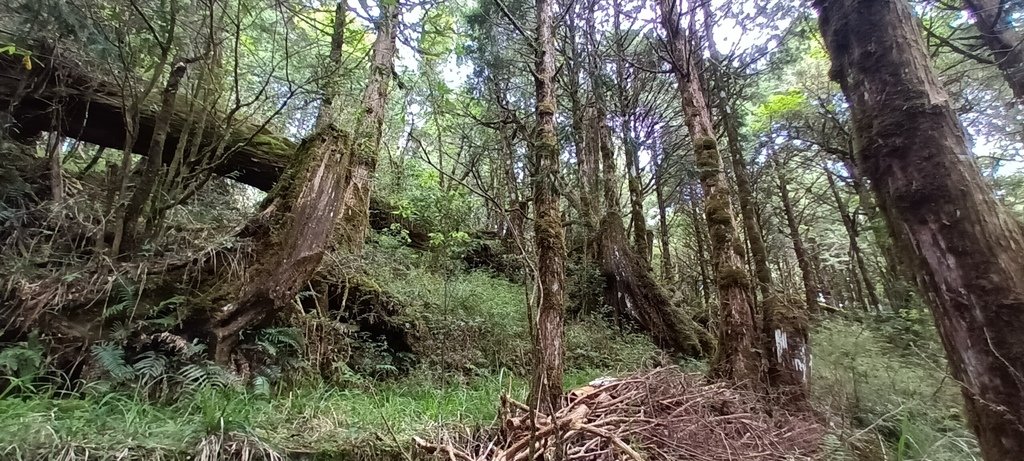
733, 277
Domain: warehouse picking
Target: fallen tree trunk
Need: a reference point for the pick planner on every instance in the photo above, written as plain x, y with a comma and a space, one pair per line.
630, 289
63, 96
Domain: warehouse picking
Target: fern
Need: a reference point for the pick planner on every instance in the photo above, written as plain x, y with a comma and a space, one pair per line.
110, 357
150, 366
261, 386
197, 376
273, 341
125, 296
120, 331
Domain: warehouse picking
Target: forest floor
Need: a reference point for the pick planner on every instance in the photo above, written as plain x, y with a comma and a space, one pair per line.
878, 384
874, 403
362, 422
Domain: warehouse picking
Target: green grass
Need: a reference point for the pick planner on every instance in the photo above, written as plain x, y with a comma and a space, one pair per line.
324, 422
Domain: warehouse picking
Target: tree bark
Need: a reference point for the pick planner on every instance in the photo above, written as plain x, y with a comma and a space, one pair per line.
302, 211
1001, 39
964, 246
56, 168
871, 296
355, 217
803, 259
546, 385
737, 357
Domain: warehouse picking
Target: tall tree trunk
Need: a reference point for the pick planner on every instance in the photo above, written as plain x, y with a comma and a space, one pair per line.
894, 279
355, 216
328, 112
803, 260
785, 330
785, 324
56, 167
699, 239
759, 252
998, 35
737, 357
667, 274
546, 386
965, 247
871, 296
302, 211
823, 277
626, 105
583, 146
630, 287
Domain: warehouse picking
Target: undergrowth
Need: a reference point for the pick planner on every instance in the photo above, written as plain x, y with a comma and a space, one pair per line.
324, 422
476, 348
477, 321
882, 384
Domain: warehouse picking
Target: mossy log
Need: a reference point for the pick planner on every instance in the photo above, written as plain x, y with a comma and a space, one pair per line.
630, 289
61, 95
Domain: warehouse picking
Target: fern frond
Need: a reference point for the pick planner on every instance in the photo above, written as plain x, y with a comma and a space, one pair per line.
125, 296
110, 357
150, 365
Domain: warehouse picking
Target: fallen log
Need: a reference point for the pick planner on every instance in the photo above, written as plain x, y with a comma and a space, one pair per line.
59, 94
634, 295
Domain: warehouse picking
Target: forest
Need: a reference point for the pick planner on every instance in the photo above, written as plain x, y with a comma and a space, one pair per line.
511, 230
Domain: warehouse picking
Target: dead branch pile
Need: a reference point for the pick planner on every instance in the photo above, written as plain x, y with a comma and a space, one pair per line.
663, 414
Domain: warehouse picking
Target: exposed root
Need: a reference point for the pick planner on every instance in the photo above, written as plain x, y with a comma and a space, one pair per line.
658, 415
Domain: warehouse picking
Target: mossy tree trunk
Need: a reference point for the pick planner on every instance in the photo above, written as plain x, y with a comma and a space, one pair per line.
785, 324
355, 217
738, 356
630, 287
626, 103
546, 385
302, 212
785, 327
297, 223
964, 246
